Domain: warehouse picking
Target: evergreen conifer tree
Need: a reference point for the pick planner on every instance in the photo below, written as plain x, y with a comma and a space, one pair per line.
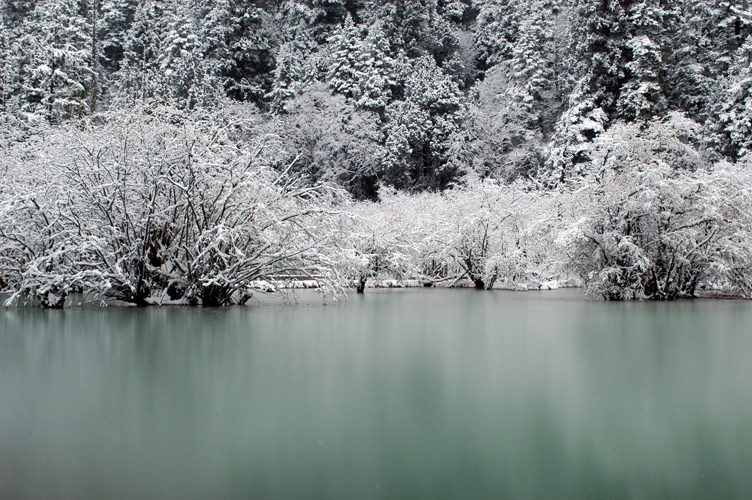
643, 95
56, 67
236, 44
423, 129
362, 67
734, 121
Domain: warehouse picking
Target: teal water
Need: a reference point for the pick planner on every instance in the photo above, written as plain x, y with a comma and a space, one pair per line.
411, 394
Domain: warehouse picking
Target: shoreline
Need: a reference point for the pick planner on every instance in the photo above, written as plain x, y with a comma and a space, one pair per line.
290, 295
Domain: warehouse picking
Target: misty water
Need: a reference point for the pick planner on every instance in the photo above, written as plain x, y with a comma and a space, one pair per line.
395, 394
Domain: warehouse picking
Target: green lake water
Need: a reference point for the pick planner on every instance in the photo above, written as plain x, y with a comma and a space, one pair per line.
408, 394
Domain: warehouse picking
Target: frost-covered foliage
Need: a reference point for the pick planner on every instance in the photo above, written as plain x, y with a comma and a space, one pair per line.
423, 131
382, 242
570, 156
540, 79
643, 96
140, 207
485, 234
327, 138
512, 118
734, 120
495, 234
497, 31
165, 65
48, 61
656, 222
362, 66
674, 139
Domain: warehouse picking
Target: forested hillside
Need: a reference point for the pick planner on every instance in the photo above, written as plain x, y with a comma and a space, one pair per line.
606, 139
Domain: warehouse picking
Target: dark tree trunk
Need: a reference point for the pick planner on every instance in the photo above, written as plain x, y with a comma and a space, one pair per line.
51, 300
216, 296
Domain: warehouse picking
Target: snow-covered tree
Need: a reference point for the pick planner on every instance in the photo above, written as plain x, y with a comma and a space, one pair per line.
623, 52
506, 140
180, 63
416, 28
287, 78
654, 221
139, 207
362, 67
345, 73
707, 35
328, 138
166, 64
453, 10
734, 118
54, 61
116, 18
237, 43
571, 155
519, 100
600, 31
8, 80
137, 76
720, 27
498, 30
423, 130
643, 96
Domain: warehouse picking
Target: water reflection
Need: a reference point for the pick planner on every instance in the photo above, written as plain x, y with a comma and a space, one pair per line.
408, 394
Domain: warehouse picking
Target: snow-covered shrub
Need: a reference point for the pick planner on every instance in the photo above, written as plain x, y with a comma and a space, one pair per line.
138, 207
729, 193
381, 242
538, 217
646, 235
23, 234
484, 233
330, 139
476, 232
501, 234
656, 222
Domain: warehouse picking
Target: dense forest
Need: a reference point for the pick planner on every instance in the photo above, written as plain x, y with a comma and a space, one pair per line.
192, 149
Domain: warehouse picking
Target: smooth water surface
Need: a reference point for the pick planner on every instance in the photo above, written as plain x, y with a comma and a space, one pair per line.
412, 394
